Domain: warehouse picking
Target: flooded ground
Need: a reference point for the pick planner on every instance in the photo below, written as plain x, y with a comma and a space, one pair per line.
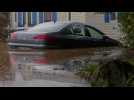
48, 68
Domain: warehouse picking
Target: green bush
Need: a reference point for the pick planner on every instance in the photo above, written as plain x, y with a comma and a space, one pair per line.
91, 73
114, 73
126, 24
88, 71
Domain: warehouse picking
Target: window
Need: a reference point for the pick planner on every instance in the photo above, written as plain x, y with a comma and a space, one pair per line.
20, 19
47, 16
77, 29
41, 17
67, 30
87, 32
34, 18
109, 16
93, 33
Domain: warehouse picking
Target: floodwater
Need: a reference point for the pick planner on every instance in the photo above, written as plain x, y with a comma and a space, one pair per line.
49, 67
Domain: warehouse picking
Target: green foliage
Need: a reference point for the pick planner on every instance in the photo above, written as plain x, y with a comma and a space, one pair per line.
126, 23
130, 81
113, 73
90, 73
131, 61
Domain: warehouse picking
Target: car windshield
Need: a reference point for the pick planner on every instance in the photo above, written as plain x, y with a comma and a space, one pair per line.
48, 27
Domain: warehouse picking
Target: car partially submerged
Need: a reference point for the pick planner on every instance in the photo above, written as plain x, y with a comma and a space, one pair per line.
60, 35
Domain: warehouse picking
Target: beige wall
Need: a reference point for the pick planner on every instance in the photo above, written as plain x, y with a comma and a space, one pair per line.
62, 16
12, 20
97, 20
78, 16
93, 18
75, 16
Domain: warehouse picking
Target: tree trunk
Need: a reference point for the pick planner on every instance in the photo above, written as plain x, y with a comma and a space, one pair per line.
4, 57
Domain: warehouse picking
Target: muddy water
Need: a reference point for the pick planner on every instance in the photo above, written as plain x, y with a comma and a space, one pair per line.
53, 67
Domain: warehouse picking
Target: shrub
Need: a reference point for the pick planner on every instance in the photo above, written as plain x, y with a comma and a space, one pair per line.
112, 73
126, 24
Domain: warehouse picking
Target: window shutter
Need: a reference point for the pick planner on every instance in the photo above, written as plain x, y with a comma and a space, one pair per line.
41, 19
34, 18
20, 19
113, 15
107, 17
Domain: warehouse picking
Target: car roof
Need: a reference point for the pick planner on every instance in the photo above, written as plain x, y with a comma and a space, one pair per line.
62, 24
58, 23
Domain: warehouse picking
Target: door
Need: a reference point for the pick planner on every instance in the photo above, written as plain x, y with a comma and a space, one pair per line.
94, 37
73, 35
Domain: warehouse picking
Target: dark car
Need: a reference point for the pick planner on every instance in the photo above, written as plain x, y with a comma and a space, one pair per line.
60, 34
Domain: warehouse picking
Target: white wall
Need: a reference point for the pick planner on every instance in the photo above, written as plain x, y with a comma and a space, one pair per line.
12, 20
97, 20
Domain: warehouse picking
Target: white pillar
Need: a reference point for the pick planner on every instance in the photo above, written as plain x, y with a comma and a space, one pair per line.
37, 17
12, 20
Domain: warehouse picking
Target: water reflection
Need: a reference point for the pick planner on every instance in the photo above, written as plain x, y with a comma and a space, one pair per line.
36, 67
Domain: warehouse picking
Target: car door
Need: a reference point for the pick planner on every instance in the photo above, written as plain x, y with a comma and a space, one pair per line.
93, 36
73, 35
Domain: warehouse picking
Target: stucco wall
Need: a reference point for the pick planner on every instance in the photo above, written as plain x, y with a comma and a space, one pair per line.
97, 20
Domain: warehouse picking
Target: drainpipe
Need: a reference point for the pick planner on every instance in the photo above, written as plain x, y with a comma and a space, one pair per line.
69, 16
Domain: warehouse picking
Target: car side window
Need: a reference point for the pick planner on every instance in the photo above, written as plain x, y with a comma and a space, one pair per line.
78, 29
87, 32
68, 30
93, 33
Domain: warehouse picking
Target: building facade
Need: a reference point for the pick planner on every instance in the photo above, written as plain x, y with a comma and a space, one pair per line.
18, 20
106, 22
